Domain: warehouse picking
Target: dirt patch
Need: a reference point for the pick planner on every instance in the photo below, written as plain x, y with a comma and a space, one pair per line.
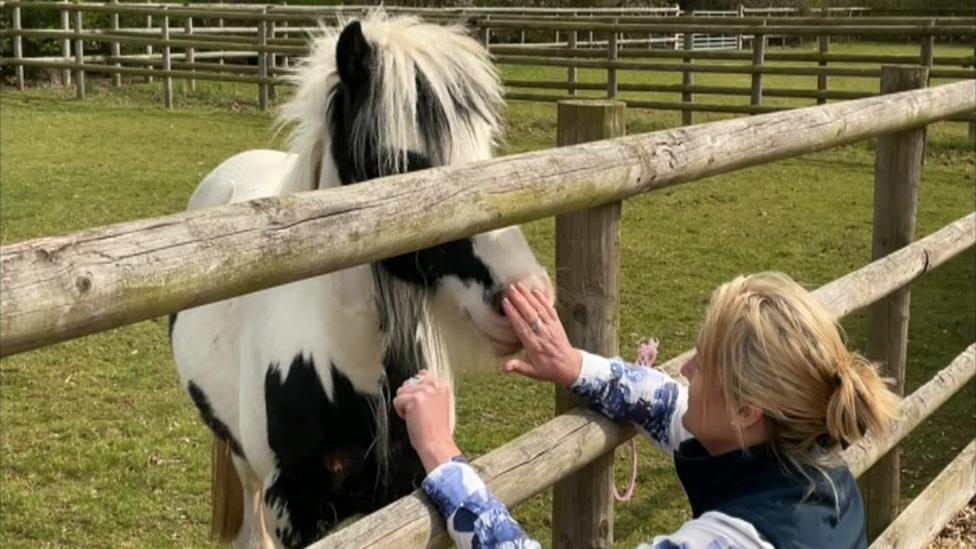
960, 532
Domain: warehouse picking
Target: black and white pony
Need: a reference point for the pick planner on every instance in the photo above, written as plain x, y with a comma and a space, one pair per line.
297, 380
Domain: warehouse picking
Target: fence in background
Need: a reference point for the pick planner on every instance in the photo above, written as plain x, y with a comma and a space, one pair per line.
255, 44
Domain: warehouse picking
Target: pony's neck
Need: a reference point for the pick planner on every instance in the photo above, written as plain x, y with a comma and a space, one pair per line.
312, 170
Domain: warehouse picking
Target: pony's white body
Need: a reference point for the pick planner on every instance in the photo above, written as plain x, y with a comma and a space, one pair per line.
350, 336
244, 176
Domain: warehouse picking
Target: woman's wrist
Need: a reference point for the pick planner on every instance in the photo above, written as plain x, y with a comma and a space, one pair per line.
572, 374
435, 454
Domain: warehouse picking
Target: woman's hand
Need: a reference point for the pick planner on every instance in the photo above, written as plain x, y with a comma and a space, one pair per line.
424, 402
548, 354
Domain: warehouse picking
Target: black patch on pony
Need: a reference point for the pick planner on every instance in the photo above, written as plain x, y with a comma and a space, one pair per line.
219, 428
327, 470
172, 324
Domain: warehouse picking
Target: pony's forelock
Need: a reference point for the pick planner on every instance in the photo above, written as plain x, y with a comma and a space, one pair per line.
415, 63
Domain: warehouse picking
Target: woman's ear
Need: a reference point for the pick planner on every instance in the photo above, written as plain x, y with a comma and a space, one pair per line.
747, 416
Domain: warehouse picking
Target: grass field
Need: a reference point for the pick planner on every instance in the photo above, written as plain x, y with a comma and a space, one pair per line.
101, 448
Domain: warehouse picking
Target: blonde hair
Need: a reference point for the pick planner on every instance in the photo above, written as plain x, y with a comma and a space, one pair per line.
769, 344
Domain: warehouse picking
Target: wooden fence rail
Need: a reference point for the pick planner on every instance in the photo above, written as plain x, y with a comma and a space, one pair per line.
612, 56
936, 505
62, 287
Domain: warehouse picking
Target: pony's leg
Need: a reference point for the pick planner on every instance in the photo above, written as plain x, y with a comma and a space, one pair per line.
253, 533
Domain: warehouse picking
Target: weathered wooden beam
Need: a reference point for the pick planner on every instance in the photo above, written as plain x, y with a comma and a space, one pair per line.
821, 57
167, 80
65, 43
115, 49
751, 29
79, 59
897, 174
687, 80
824, 44
135, 71
860, 288
56, 288
758, 60
687, 89
588, 288
262, 65
18, 47
203, 42
929, 512
714, 68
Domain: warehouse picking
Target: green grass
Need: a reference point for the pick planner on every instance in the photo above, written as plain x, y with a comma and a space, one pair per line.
101, 448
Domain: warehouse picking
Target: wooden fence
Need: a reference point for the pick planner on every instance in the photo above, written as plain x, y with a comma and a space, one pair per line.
271, 35
57, 288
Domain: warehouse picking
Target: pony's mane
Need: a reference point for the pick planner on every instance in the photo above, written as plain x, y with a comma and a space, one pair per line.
432, 85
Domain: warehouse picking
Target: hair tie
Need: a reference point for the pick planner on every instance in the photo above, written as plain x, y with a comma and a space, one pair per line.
825, 441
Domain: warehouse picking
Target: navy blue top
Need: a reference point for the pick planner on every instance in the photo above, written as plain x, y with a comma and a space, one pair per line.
755, 486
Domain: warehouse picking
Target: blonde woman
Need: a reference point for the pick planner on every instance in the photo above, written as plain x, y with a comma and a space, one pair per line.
773, 396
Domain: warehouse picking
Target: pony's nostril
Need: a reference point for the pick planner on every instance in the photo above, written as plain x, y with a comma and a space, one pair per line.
495, 301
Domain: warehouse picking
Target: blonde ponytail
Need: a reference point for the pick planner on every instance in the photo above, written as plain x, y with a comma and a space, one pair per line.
861, 402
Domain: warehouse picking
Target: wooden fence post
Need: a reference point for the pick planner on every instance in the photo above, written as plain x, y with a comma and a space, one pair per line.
190, 51
822, 78
571, 70
262, 65
18, 48
687, 80
285, 34
897, 170
587, 260
612, 53
272, 58
149, 48
79, 59
220, 24
927, 59
758, 58
740, 13
115, 47
927, 53
167, 65
66, 46
486, 33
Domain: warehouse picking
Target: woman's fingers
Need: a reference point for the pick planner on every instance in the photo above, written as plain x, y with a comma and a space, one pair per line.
519, 298
539, 305
520, 366
402, 404
545, 305
519, 323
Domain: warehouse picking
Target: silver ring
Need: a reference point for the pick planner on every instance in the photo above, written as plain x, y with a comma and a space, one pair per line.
535, 324
415, 380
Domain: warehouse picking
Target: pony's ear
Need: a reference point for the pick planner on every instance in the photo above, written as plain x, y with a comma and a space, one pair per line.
354, 55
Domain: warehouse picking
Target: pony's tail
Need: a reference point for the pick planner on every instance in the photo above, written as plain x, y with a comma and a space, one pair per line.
227, 495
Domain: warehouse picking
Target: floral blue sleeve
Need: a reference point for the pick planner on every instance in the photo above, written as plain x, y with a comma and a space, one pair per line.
645, 396
474, 518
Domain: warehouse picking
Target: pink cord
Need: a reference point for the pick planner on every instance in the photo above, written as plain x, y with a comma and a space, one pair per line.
646, 355
633, 475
